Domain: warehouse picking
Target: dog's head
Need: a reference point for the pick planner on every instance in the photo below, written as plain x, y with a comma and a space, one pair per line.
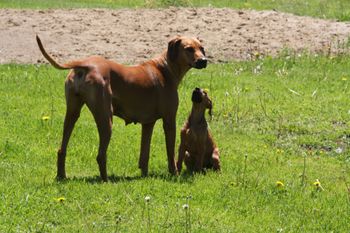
187, 51
200, 96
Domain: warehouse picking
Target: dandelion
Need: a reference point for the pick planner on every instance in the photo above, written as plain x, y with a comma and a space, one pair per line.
147, 200
338, 150
60, 199
318, 185
45, 118
187, 217
279, 184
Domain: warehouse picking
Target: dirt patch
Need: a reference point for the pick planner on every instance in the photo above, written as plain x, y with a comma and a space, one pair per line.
133, 35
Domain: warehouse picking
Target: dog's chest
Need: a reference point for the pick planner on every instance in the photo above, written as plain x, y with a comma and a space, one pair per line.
196, 137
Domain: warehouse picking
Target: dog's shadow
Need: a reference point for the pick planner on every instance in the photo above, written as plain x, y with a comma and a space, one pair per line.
185, 177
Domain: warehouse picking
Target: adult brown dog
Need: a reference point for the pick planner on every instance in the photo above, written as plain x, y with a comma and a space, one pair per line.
139, 94
197, 146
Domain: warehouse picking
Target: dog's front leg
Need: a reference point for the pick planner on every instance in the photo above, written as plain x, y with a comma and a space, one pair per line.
169, 126
182, 152
198, 166
147, 131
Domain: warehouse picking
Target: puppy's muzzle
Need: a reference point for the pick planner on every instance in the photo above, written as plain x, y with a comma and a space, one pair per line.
201, 63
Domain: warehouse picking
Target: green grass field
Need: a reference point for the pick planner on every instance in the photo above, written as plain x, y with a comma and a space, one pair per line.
335, 9
283, 119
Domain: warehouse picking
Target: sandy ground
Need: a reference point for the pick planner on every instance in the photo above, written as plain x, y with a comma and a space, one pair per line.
134, 35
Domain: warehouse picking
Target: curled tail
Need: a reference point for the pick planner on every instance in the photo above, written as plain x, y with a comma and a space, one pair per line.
51, 60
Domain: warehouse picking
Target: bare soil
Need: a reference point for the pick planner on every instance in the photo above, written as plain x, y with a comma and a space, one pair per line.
133, 35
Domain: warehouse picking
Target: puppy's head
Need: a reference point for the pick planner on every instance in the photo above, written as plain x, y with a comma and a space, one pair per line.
187, 51
200, 96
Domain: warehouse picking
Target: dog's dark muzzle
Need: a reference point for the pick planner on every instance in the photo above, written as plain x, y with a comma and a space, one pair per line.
201, 63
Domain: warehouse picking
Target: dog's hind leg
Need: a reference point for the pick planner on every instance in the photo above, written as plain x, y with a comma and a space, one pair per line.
74, 105
104, 126
147, 130
100, 105
216, 160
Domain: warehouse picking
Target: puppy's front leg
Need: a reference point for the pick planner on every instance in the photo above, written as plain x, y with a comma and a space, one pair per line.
198, 166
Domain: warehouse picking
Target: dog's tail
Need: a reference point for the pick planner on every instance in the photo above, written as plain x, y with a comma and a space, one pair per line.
51, 60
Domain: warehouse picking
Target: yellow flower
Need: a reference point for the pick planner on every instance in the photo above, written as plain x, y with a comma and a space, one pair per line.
60, 199
344, 78
318, 185
206, 90
279, 184
45, 118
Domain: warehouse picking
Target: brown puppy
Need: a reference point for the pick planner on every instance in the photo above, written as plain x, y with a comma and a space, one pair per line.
197, 146
139, 94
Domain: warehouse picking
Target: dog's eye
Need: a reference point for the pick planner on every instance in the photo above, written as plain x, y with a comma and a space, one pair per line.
190, 49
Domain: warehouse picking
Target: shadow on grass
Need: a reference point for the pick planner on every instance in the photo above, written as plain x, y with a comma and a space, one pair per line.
185, 177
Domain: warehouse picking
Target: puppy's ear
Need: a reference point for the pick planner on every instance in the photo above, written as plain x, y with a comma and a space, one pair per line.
210, 110
196, 96
173, 47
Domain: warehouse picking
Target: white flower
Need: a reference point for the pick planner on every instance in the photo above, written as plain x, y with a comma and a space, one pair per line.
339, 150
185, 206
147, 198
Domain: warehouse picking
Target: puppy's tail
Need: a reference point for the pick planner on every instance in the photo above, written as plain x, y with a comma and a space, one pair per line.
51, 60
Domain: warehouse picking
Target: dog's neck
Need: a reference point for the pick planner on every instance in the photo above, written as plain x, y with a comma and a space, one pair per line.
197, 116
176, 70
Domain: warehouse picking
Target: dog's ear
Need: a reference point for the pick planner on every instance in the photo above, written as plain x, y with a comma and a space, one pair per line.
210, 109
173, 47
197, 95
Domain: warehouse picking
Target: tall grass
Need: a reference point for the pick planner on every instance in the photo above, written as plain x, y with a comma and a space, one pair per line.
291, 124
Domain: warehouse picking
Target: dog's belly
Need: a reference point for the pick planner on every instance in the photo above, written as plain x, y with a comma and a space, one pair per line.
135, 112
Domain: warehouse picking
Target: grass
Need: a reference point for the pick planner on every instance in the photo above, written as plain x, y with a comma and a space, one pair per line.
281, 124
275, 119
335, 9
